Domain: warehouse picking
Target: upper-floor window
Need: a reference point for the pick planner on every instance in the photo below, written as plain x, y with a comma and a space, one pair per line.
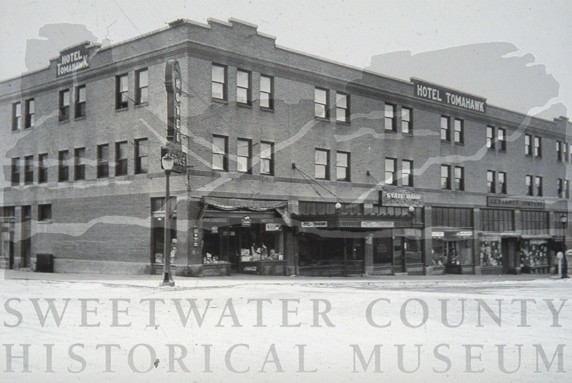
80, 101
501, 177
490, 137
219, 82
537, 146
244, 156
342, 107
529, 185
459, 131
390, 117
491, 181
538, 185
406, 120
29, 170
407, 173
560, 188
501, 138
266, 158
141, 156
15, 171
79, 164
121, 159
220, 153
567, 188
141, 86
564, 151
445, 129
459, 178
121, 91
322, 164
266, 92
64, 105
30, 113
63, 166
570, 151
528, 144
390, 171
44, 212
342, 166
243, 87
446, 177
321, 106
42, 168
102, 161
559, 150
16, 116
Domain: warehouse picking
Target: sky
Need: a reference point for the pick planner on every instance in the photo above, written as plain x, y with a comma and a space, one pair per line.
351, 32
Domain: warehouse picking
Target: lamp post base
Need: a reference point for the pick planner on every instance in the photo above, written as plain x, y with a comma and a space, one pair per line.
167, 281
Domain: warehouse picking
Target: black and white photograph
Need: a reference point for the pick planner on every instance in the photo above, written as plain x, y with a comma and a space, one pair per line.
285, 191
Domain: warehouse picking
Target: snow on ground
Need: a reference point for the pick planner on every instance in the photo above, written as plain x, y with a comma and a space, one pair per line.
286, 329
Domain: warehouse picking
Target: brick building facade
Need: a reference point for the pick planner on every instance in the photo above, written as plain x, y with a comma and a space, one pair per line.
296, 165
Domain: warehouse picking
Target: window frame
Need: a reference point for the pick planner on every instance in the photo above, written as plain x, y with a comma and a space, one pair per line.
407, 122
343, 113
28, 170
121, 94
16, 116
490, 137
224, 82
121, 159
64, 105
141, 160
344, 167
447, 177
29, 120
325, 105
223, 155
15, 171
529, 184
102, 161
45, 212
63, 166
389, 117
269, 93
459, 181
407, 174
42, 168
502, 186
528, 145
537, 146
459, 134
80, 107
141, 92
247, 88
501, 139
325, 166
79, 164
390, 175
558, 151
446, 129
491, 181
538, 186
265, 159
240, 157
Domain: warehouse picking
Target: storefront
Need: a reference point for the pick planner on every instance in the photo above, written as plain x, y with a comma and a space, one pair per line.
498, 253
452, 239
535, 251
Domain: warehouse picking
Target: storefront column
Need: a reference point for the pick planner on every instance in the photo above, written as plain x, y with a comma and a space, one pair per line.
477, 267
194, 256
368, 254
17, 238
290, 251
427, 239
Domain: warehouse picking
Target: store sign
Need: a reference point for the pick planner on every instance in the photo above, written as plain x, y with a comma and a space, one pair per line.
72, 60
401, 199
314, 224
178, 155
515, 203
273, 227
438, 234
245, 222
446, 96
173, 84
377, 224
465, 234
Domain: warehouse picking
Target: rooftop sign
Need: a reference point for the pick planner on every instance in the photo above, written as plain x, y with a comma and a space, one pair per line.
72, 60
446, 96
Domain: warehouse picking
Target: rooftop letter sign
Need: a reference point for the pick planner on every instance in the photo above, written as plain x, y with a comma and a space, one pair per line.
174, 86
72, 60
448, 96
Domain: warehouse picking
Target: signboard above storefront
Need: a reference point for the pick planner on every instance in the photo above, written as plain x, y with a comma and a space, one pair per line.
314, 224
447, 96
402, 198
72, 60
377, 224
515, 203
178, 155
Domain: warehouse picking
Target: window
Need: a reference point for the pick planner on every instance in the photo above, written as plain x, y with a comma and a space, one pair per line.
537, 146
445, 177
220, 153
528, 144
42, 168
141, 156
243, 86
244, 156
142, 86
570, 151
567, 188
501, 182
459, 131
63, 166
390, 171
266, 158
343, 166
121, 91
15, 170
266, 92
491, 181
559, 150
80, 101
219, 82
44, 213
121, 158
321, 108
459, 178
79, 164
390, 117
490, 137
407, 173
30, 113
102, 161
406, 121
342, 107
538, 185
501, 138
322, 164
445, 129
529, 186
16, 116
560, 188
29, 170
564, 151
64, 101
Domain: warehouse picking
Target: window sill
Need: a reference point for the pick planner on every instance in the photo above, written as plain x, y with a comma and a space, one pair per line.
325, 119
459, 143
243, 105
265, 109
220, 101
142, 104
389, 131
443, 141
63, 121
79, 118
47, 221
124, 109
28, 127
16, 131
343, 123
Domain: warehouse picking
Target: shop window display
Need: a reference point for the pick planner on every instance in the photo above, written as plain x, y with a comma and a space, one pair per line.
490, 252
533, 254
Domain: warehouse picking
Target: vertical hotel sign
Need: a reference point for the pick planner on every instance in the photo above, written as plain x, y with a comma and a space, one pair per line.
173, 84
72, 60
446, 96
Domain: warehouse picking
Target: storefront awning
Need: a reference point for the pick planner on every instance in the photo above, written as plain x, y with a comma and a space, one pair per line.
234, 204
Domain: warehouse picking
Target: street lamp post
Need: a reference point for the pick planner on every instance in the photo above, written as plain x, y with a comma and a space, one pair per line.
168, 162
564, 222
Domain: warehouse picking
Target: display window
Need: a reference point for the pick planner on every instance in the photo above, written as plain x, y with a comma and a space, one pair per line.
534, 253
490, 251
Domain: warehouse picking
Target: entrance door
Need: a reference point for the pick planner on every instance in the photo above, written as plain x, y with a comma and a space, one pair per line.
509, 261
26, 243
398, 256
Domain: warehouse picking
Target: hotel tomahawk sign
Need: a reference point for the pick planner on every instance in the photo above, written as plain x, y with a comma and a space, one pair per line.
446, 96
72, 60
